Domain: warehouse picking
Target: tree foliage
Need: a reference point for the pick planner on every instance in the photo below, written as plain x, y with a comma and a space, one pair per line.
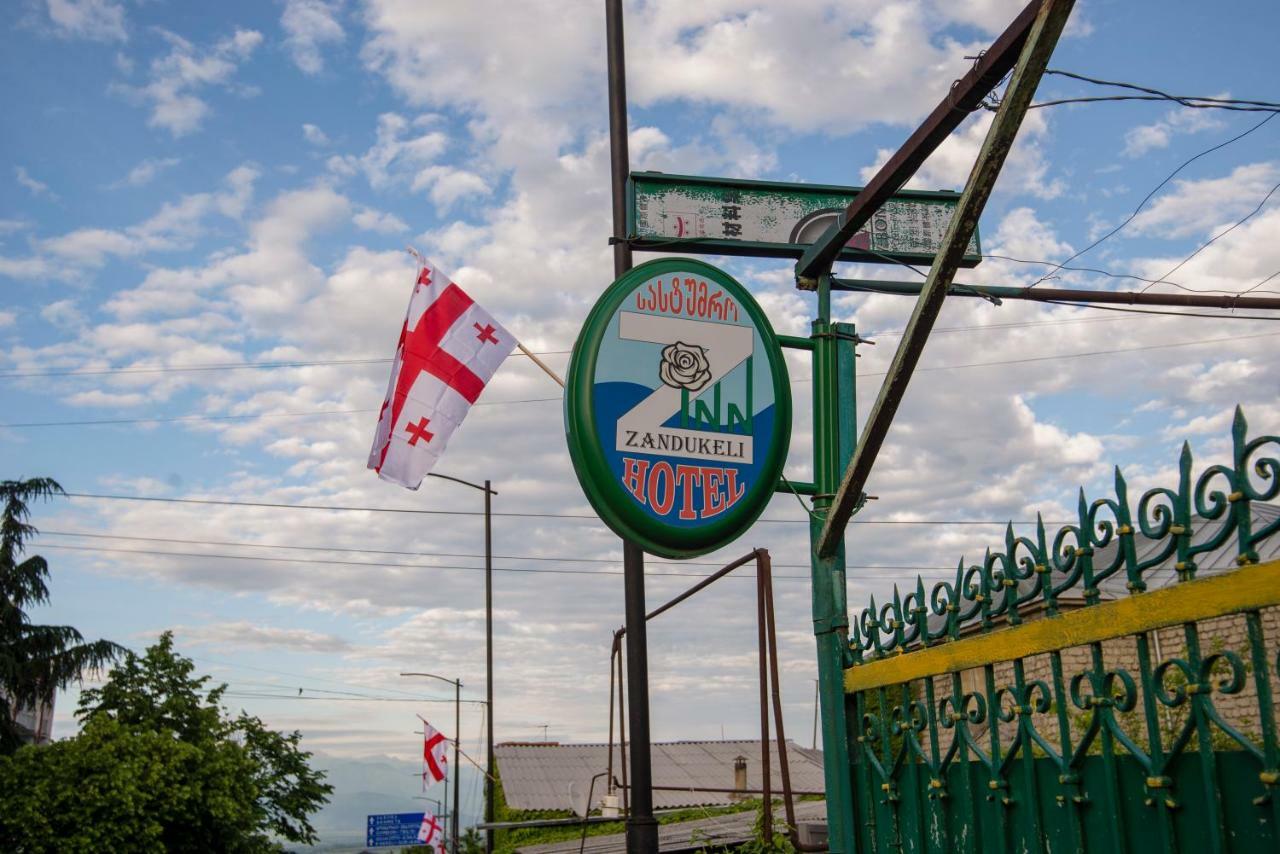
34, 660
159, 765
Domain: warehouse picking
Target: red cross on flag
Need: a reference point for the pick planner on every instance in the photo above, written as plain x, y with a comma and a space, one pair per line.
449, 349
435, 760
430, 832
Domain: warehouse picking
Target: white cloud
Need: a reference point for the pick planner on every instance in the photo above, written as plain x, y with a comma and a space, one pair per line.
537, 256
9, 226
447, 185
96, 20
368, 219
1025, 170
64, 314
264, 282
176, 225
242, 634
310, 24
99, 398
1143, 138
36, 188
314, 135
146, 171
1195, 206
7, 319
398, 152
185, 70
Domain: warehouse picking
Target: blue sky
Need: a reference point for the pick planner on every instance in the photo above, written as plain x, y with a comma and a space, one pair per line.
201, 185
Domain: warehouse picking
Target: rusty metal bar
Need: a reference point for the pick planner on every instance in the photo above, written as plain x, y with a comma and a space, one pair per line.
706, 582
958, 289
1039, 46
765, 782
965, 96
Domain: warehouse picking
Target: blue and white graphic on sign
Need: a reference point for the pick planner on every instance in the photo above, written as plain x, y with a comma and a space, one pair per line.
683, 410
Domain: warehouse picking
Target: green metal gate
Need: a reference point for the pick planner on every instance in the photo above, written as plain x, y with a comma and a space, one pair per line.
1111, 687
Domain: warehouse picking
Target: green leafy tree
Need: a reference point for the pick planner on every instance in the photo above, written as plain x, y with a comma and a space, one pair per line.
34, 660
160, 766
471, 842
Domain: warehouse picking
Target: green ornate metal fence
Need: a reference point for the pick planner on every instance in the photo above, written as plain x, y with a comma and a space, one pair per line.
1112, 688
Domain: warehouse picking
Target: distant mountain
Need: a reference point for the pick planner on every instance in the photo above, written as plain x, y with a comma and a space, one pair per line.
371, 785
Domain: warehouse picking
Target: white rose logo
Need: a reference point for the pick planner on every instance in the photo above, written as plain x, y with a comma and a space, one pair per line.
685, 366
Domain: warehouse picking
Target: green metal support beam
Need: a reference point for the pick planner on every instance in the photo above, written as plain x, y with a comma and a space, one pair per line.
1044, 35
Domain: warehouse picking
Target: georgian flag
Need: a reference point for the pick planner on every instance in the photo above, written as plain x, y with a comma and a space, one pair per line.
449, 349
431, 832
435, 760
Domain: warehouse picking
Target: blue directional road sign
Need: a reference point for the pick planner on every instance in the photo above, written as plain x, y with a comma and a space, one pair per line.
391, 829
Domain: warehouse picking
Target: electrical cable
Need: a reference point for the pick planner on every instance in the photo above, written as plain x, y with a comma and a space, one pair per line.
481, 569
1158, 93
416, 511
1125, 310
1151, 194
1263, 282
232, 366
1024, 360
44, 532
1213, 240
1193, 103
1112, 275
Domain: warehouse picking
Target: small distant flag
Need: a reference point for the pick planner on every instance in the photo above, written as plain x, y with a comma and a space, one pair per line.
435, 761
431, 831
449, 349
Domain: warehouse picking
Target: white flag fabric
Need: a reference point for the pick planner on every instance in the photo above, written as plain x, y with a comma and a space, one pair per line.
435, 757
431, 831
449, 350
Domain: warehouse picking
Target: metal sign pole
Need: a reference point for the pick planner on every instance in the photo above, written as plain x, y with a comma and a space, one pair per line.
488, 662
642, 828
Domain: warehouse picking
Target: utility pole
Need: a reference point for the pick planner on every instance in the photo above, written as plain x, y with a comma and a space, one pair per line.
642, 828
489, 492
457, 750
488, 664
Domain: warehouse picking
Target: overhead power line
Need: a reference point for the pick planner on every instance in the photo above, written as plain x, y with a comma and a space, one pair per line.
1151, 94
1215, 239
1160, 312
446, 568
1131, 217
964, 366
231, 366
431, 512
44, 532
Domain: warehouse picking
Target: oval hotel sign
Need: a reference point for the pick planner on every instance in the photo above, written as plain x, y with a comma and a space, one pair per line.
678, 408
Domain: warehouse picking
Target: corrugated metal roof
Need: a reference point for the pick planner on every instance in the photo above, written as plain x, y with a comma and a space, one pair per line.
697, 834
558, 776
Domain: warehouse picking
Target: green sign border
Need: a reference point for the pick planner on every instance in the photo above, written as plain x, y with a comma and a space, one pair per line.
601, 485
758, 249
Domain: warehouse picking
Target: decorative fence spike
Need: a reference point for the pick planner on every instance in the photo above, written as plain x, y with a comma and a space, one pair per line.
965, 742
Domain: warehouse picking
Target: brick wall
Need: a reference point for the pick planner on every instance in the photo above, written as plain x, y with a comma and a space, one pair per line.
1239, 709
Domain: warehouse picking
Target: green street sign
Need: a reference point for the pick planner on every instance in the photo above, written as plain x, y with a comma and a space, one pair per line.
725, 216
677, 408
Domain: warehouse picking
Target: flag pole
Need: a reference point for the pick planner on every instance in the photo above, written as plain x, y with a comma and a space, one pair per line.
540, 364
523, 349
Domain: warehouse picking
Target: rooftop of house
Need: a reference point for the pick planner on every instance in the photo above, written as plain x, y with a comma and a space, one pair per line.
553, 776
